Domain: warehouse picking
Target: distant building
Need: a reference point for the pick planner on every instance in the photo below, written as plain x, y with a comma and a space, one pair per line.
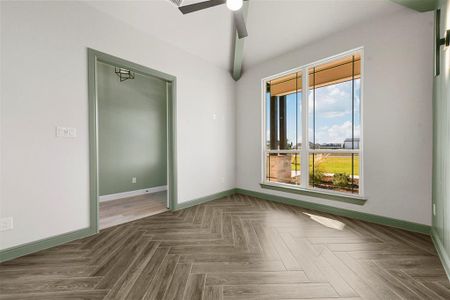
325, 146
348, 143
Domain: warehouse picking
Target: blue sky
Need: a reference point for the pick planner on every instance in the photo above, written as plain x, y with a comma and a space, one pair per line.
333, 114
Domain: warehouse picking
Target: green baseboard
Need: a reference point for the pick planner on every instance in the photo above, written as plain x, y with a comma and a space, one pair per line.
443, 255
32, 247
406, 225
204, 199
21, 250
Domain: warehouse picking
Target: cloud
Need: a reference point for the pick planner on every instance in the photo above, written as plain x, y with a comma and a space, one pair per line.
336, 133
334, 90
332, 101
336, 114
333, 114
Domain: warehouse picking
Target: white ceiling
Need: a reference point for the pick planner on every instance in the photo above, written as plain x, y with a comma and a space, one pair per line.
274, 26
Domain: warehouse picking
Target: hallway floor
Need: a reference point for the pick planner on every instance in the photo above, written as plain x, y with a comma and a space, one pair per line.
124, 210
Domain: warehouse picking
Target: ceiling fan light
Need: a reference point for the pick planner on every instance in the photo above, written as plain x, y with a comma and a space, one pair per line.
234, 4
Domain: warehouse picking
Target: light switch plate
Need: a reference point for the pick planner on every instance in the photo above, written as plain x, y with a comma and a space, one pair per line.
6, 224
67, 132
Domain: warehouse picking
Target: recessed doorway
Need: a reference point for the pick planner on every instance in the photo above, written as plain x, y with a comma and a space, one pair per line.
132, 166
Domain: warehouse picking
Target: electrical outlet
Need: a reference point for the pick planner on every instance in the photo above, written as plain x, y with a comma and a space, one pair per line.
434, 209
133, 180
6, 224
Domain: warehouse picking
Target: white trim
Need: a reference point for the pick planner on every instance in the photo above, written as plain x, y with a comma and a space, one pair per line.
304, 154
133, 193
317, 62
312, 190
264, 129
305, 151
361, 125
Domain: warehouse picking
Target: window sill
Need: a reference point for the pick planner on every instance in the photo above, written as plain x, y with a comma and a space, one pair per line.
353, 199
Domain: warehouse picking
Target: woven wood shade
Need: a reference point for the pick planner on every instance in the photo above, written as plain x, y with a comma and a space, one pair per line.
333, 72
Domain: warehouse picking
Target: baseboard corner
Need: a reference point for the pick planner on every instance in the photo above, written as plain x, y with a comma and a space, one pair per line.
28, 248
204, 199
401, 224
443, 255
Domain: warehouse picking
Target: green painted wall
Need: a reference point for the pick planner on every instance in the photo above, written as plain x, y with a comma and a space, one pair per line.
441, 147
132, 132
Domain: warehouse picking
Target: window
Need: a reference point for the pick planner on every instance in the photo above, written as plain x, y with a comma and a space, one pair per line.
312, 120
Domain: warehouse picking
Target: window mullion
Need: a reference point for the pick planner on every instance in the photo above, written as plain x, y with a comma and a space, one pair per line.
305, 145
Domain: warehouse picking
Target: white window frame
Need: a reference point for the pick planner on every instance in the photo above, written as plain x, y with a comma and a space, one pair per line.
305, 151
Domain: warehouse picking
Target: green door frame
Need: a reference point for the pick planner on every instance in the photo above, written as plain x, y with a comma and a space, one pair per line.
95, 56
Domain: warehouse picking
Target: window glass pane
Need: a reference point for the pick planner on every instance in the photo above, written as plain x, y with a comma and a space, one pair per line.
357, 119
296, 167
283, 112
299, 120
334, 113
333, 101
355, 178
334, 171
291, 115
283, 168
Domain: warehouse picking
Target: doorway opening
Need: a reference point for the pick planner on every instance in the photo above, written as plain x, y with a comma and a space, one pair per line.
132, 140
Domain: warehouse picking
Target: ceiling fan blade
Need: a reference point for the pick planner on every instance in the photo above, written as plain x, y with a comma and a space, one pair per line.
240, 24
199, 6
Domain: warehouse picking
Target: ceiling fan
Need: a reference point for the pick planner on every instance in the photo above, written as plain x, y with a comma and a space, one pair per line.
233, 5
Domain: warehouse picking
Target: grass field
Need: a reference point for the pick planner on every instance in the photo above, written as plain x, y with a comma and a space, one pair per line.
330, 164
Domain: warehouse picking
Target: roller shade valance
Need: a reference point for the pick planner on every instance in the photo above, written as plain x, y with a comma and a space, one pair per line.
334, 72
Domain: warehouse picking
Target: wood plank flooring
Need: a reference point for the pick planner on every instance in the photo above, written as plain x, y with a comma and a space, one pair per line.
124, 210
237, 247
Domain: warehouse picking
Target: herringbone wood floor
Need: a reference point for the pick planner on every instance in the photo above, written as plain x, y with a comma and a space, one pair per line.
234, 248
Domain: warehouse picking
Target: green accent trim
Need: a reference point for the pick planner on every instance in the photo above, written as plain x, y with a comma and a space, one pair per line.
419, 5
172, 145
239, 47
208, 198
119, 62
21, 250
93, 141
410, 226
93, 57
445, 259
317, 193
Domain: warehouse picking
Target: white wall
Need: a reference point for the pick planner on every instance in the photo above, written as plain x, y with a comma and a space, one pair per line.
45, 184
397, 116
